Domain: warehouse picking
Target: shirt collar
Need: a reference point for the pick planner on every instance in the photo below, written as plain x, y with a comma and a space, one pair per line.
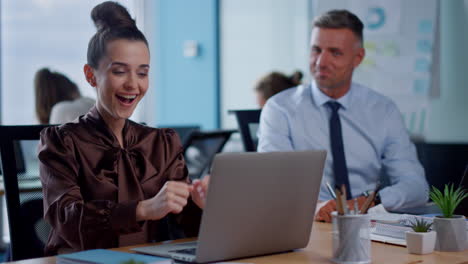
320, 98
102, 131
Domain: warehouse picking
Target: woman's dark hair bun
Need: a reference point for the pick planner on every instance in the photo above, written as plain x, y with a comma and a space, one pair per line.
43, 72
111, 14
113, 22
296, 77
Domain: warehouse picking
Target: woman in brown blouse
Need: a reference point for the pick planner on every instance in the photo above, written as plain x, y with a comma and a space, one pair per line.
108, 181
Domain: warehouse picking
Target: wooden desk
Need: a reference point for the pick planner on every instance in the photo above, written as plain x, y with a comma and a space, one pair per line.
319, 251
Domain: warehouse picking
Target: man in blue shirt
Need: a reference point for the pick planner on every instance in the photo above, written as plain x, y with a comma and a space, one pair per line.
362, 131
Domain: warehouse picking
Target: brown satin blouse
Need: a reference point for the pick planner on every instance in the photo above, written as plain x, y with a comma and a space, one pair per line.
92, 186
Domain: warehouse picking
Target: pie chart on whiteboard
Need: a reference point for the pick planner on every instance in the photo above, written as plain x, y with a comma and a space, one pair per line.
375, 18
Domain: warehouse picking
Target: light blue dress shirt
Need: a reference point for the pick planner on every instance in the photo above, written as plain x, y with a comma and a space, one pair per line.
375, 139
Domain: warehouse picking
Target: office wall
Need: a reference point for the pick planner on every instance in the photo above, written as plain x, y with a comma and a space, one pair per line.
185, 88
263, 35
448, 121
258, 37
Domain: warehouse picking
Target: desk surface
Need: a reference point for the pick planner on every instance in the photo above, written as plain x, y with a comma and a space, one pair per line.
319, 251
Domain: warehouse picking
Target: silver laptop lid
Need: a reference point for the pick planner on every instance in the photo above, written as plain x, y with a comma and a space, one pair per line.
259, 203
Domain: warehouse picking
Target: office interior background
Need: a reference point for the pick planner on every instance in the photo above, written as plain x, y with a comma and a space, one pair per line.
206, 56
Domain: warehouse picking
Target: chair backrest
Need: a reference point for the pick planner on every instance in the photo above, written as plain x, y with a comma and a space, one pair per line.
200, 149
462, 208
248, 121
23, 191
183, 131
20, 167
444, 163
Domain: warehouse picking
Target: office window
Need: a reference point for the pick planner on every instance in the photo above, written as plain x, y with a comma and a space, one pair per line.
42, 33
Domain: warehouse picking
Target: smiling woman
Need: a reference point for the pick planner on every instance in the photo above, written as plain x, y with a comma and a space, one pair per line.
109, 181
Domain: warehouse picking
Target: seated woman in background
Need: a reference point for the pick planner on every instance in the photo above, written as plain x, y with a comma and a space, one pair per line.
274, 83
108, 181
58, 99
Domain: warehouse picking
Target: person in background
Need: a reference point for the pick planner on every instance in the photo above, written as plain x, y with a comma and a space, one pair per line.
362, 130
58, 99
108, 181
274, 83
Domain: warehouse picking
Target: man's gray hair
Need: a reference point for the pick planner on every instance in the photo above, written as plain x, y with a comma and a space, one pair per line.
338, 19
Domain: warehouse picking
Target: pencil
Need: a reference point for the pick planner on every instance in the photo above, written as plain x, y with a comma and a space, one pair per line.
339, 205
368, 202
343, 199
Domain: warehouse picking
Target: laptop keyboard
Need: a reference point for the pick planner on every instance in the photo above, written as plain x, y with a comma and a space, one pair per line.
188, 251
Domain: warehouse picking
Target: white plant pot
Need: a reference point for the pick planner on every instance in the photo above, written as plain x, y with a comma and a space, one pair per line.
451, 233
420, 242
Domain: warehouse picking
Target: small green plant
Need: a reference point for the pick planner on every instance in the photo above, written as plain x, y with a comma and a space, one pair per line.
449, 200
420, 225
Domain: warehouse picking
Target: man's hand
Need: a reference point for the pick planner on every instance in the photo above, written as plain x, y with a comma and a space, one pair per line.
324, 214
199, 191
170, 199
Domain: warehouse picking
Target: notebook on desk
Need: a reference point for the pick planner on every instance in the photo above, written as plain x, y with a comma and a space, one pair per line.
390, 228
389, 233
257, 204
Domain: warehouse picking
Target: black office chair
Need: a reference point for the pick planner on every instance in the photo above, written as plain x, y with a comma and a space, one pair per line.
200, 149
462, 208
20, 167
443, 164
248, 121
184, 132
23, 192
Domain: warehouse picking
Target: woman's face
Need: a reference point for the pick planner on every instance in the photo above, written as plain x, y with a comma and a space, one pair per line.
121, 79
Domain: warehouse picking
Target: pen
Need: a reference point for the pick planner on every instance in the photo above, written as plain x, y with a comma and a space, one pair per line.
343, 199
356, 206
330, 190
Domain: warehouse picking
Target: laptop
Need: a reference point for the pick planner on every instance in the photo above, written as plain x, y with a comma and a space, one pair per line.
257, 204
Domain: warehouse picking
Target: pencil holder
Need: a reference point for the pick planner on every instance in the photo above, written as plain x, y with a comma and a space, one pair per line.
351, 238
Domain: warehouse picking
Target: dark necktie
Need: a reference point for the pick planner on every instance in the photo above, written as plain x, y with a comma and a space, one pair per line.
336, 139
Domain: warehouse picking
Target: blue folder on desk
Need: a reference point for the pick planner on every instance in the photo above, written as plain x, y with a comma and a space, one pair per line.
105, 256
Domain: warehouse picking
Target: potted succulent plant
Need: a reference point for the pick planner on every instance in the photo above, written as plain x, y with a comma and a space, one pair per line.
421, 240
450, 228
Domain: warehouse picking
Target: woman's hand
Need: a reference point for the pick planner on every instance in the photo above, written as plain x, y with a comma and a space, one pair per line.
199, 191
171, 199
